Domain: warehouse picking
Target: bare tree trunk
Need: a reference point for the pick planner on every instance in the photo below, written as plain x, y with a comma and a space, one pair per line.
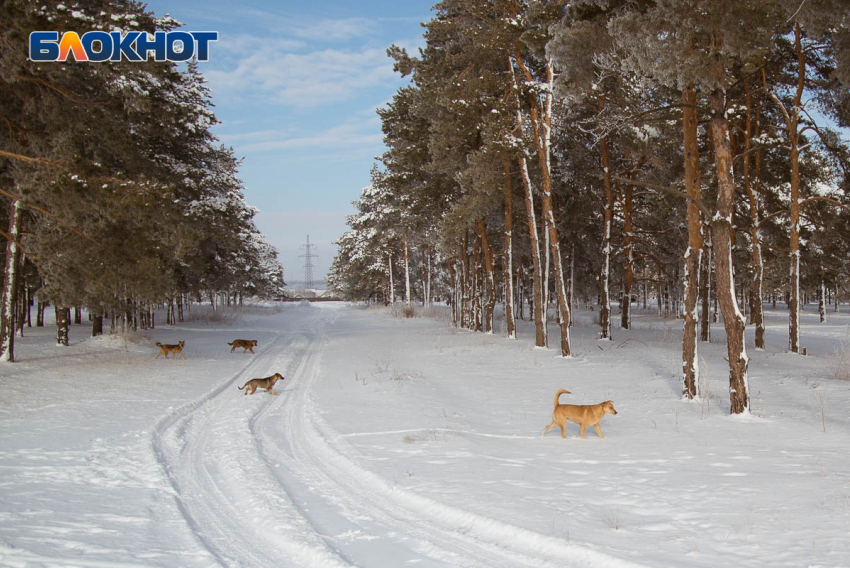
607, 222
391, 298
792, 117
406, 271
629, 277
63, 323
454, 293
11, 277
97, 325
705, 291
733, 321
756, 309
537, 274
489, 278
477, 284
822, 302
507, 263
693, 256
542, 126
466, 301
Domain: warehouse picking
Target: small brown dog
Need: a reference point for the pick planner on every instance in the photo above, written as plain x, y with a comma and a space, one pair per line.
582, 414
267, 383
175, 350
245, 344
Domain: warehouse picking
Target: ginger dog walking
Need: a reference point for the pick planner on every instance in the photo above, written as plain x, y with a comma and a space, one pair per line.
582, 414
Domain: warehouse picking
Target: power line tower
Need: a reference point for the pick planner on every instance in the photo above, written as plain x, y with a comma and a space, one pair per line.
308, 257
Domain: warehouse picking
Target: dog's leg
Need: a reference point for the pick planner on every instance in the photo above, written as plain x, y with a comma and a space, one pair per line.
232, 348
251, 349
583, 427
547, 428
564, 429
598, 430
271, 390
181, 354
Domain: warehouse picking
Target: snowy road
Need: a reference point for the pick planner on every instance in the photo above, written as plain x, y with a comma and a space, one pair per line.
269, 483
405, 442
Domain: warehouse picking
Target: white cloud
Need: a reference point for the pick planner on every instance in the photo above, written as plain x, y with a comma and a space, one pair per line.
305, 80
337, 30
352, 135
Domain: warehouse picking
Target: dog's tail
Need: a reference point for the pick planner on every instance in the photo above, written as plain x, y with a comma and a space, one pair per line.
243, 386
558, 394
230, 343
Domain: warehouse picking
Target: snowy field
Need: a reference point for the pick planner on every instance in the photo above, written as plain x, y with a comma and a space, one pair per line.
404, 442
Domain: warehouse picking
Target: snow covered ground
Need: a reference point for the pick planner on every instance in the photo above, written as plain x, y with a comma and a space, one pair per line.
399, 442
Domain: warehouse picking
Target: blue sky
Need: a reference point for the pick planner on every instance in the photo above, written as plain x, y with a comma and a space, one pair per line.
296, 86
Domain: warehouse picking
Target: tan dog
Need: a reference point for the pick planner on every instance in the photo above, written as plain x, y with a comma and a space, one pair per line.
267, 383
582, 414
175, 350
245, 344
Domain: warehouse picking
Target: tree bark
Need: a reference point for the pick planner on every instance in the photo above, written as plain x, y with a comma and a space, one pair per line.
11, 278
752, 191
629, 277
507, 263
705, 290
537, 274
406, 271
607, 223
391, 296
63, 323
722, 230
489, 278
542, 126
97, 325
693, 256
792, 116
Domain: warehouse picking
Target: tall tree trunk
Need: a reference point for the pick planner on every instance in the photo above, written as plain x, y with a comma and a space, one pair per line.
733, 320
822, 301
792, 117
507, 263
391, 296
752, 192
489, 278
466, 302
693, 256
454, 293
406, 271
537, 274
705, 290
542, 126
629, 277
477, 283
11, 277
607, 222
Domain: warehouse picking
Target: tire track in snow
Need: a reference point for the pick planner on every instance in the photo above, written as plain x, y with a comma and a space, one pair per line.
223, 488
346, 500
